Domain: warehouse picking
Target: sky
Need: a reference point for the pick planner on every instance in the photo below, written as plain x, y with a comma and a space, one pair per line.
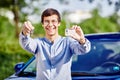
75, 5
72, 6
105, 9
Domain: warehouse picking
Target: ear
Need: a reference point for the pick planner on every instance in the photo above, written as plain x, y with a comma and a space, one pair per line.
59, 24
42, 25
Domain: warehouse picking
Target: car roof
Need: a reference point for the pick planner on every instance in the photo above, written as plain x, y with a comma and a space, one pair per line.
106, 35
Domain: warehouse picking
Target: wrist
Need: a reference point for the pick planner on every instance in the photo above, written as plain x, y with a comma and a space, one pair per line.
23, 33
82, 40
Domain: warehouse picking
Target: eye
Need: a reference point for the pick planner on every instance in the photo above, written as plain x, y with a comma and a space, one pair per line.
54, 21
46, 22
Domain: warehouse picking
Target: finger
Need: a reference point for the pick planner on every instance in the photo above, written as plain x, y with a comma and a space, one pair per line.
81, 30
30, 25
26, 30
78, 28
73, 27
26, 26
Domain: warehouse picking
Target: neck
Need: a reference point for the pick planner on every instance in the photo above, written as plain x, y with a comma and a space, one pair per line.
52, 37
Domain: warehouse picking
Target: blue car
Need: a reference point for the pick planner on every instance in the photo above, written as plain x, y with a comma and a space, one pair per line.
101, 63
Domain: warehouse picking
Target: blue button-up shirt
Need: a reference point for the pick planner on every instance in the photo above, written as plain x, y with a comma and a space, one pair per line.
53, 59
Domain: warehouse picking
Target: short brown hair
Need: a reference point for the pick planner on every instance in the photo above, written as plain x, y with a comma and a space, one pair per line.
49, 12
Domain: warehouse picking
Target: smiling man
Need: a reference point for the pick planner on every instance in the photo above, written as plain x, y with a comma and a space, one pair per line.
53, 52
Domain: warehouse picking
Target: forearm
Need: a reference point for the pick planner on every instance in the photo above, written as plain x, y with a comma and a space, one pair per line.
27, 43
79, 48
82, 40
86, 45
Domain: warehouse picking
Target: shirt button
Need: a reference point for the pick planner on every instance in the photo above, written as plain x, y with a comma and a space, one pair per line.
52, 66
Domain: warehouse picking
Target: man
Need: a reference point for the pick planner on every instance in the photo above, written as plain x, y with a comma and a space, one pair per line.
53, 52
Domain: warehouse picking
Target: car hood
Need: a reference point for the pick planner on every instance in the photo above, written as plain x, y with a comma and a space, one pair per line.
14, 77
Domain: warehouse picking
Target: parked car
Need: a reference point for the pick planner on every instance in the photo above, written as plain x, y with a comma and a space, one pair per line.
101, 63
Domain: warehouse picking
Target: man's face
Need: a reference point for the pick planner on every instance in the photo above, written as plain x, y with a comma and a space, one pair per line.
50, 24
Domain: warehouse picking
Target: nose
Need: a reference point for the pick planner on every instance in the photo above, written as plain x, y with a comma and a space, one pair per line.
50, 24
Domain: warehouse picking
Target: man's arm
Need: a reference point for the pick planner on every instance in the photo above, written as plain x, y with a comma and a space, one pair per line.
24, 38
81, 45
79, 49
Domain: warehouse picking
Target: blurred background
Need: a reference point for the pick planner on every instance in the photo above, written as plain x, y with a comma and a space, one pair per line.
94, 16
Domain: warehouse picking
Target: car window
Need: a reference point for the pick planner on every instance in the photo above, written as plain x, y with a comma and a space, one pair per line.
31, 67
104, 57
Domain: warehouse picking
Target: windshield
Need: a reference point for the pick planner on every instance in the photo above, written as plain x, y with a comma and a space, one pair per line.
104, 57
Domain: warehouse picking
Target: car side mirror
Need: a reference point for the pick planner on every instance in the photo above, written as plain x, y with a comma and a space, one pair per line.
19, 66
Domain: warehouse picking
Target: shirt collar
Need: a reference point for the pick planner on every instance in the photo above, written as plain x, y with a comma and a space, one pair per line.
55, 41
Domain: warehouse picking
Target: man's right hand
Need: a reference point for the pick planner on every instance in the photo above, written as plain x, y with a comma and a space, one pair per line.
27, 28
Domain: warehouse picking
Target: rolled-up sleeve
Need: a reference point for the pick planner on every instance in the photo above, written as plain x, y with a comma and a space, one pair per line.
27, 43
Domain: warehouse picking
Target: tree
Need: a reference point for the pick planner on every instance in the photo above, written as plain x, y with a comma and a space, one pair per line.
14, 6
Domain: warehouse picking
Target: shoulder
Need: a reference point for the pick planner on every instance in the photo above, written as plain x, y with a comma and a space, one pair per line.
38, 39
